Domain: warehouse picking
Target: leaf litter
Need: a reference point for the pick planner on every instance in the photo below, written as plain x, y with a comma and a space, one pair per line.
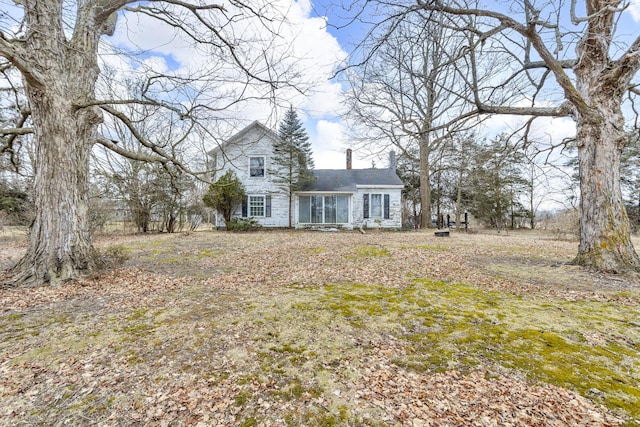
233, 329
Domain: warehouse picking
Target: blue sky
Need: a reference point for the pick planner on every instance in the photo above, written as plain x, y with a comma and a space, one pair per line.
318, 41
326, 129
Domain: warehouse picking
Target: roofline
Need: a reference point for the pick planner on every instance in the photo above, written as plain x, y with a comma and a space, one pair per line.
303, 192
390, 186
238, 135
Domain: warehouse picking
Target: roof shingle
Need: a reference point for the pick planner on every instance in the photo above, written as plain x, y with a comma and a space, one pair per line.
349, 179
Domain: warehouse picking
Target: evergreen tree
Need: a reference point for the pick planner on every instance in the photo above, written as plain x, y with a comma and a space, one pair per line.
495, 183
292, 158
408, 170
225, 195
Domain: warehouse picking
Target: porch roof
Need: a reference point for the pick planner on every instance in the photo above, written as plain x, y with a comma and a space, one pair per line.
350, 179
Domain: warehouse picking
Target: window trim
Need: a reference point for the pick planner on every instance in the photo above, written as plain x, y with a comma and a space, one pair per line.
380, 205
324, 205
264, 166
263, 205
385, 206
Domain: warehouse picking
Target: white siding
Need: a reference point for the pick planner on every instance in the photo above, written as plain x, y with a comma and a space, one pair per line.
256, 141
395, 208
235, 156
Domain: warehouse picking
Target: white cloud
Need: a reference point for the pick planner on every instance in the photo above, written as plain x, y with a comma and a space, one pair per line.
330, 145
303, 51
546, 130
553, 130
300, 46
634, 10
325, 100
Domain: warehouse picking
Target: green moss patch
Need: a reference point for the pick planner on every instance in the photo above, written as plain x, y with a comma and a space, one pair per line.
587, 346
433, 248
371, 251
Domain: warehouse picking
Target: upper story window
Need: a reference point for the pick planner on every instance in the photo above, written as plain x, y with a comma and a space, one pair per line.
256, 166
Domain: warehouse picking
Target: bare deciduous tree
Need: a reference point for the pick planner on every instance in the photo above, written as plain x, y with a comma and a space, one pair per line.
533, 39
408, 89
56, 47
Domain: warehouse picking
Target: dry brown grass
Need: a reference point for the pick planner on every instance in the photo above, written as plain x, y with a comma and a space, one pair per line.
308, 328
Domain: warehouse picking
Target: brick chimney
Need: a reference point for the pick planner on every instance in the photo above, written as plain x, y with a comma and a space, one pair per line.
392, 160
349, 159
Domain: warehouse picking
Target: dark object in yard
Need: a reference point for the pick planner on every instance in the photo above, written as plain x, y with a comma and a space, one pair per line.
442, 233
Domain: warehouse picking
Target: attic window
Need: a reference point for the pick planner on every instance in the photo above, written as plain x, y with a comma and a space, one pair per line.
256, 166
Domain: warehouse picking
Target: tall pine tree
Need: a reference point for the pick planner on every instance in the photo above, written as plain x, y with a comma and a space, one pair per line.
495, 182
292, 162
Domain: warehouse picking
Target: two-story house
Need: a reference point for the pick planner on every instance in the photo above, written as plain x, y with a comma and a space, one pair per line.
342, 198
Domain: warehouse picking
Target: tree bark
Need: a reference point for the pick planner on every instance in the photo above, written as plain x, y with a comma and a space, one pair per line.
60, 78
605, 235
60, 240
425, 183
605, 243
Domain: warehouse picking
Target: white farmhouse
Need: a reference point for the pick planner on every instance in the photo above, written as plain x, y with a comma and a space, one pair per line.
341, 198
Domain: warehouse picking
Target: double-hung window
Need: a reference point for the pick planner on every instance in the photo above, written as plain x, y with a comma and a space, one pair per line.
257, 206
375, 206
256, 167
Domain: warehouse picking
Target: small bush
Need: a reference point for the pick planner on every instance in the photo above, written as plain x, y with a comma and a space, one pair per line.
243, 224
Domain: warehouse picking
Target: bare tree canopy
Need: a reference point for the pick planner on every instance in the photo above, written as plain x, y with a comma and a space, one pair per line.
576, 59
411, 91
71, 76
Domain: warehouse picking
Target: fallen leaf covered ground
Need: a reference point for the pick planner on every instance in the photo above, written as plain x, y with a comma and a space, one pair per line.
282, 328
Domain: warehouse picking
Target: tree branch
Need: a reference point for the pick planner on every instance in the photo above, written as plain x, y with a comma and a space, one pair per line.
607, 9
563, 110
530, 33
14, 51
161, 155
627, 65
15, 131
564, 63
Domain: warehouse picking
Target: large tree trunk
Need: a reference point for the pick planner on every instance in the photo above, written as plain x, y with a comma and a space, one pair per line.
425, 183
60, 241
605, 236
59, 80
605, 243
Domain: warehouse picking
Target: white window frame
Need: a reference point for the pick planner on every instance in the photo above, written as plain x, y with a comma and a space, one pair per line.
264, 166
371, 214
256, 202
324, 206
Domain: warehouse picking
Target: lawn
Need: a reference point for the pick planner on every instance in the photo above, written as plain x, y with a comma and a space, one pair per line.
282, 328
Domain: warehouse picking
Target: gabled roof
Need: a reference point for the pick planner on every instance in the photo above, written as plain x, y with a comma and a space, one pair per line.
263, 130
351, 179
